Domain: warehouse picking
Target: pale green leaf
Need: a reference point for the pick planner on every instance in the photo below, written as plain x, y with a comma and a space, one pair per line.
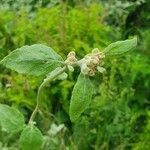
81, 97
31, 138
36, 60
11, 120
120, 47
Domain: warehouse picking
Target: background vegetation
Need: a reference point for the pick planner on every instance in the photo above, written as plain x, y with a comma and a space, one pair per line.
119, 116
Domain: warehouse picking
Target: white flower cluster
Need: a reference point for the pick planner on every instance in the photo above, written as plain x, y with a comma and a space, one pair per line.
90, 64
71, 61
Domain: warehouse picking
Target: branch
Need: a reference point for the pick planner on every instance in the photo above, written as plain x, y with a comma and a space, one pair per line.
50, 78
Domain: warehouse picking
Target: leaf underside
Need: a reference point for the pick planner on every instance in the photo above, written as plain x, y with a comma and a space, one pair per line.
81, 97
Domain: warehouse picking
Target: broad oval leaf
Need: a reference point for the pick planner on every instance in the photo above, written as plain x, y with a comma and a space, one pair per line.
36, 60
120, 47
81, 97
31, 138
11, 120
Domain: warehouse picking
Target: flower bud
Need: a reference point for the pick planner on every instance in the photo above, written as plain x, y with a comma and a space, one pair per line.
84, 69
95, 50
70, 68
101, 69
71, 59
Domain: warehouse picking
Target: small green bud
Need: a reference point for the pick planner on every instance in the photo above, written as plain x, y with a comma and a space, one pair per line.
95, 50
70, 68
101, 69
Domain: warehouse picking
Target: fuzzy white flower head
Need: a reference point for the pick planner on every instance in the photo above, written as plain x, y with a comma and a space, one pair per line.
71, 58
90, 62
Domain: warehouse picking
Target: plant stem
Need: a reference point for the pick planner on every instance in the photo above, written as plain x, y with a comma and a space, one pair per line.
50, 78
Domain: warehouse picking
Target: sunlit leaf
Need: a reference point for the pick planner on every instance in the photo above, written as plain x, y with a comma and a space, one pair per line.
120, 47
11, 120
31, 138
33, 60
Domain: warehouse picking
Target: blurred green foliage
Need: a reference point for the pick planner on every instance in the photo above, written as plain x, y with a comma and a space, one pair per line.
119, 117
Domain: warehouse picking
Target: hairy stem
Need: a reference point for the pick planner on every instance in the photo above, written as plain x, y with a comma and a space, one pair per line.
50, 78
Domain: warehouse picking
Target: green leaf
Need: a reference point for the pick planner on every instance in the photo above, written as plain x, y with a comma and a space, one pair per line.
31, 138
81, 97
120, 47
11, 120
33, 60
